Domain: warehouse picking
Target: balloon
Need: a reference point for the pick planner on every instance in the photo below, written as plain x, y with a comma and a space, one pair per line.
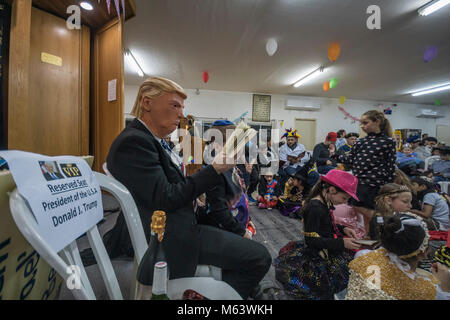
430, 53
271, 47
205, 77
437, 102
326, 86
342, 100
334, 50
333, 83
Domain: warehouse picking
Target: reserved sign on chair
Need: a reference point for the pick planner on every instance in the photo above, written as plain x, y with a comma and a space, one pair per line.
62, 192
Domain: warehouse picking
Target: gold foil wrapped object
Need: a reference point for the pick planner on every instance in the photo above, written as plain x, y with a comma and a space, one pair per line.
158, 224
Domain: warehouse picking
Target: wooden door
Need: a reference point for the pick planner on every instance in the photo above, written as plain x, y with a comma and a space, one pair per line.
443, 134
307, 129
55, 121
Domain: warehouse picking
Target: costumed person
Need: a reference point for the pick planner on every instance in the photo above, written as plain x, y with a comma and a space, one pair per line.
295, 191
441, 168
292, 144
390, 272
341, 135
143, 162
350, 141
346, 215
434, 207
317, 268
323, 152
294, 162
372, 161
221, 199
424, 151
268, 192
408, 161
392, 199
304, 158
241, 211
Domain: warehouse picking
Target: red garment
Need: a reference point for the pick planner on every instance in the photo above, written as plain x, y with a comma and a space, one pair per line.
438, 235
267, 203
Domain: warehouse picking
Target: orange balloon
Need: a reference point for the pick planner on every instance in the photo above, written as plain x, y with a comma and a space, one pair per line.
334, 50
326, 86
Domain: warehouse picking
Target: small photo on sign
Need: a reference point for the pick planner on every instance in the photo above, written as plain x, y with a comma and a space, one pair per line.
70, 170
50, 170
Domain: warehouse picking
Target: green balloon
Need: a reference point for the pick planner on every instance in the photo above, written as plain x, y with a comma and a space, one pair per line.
437, 102
333, 83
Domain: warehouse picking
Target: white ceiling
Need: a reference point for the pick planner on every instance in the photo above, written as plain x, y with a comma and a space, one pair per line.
179, 39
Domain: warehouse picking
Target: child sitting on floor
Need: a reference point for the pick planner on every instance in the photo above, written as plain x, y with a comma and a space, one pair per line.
435, 209
408, 161
404, 240
295, 190
269, 191
318, 268
391, 199
346, 215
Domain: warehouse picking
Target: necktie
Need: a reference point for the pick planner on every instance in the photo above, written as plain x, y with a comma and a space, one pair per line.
165, 145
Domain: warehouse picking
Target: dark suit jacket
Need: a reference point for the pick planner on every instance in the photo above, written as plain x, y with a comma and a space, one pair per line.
138, 161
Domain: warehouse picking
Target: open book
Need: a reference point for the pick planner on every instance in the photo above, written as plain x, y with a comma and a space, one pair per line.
237, 141
366, 242
369, 244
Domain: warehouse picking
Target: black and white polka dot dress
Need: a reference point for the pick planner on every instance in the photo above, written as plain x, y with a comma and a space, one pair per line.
372, 159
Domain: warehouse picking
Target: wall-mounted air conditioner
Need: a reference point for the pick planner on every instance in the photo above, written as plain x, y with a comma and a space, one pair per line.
301, 105
429, 113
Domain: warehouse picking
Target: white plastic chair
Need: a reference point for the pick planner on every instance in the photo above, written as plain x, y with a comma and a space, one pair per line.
69, 256
202, 270
139, 243
430, 160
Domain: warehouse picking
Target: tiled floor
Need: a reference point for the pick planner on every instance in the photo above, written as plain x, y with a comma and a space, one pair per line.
272, 229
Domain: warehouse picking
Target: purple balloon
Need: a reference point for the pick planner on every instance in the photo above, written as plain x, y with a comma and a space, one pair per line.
430, 53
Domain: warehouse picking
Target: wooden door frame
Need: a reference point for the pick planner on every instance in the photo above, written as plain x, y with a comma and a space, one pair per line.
96, 133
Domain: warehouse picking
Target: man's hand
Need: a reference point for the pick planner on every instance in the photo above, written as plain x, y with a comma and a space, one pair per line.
223, 163
200, 203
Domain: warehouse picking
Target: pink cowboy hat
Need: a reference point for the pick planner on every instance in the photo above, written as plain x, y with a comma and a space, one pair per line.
343, 180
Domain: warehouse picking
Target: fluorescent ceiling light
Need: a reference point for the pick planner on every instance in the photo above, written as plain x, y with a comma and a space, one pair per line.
86, 6
433, 6
133, 64
308, 77
441, 87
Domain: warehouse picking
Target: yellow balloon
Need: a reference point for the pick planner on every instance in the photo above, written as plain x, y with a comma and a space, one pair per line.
342, 100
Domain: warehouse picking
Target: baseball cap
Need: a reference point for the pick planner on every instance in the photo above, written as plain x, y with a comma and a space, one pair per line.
332, 136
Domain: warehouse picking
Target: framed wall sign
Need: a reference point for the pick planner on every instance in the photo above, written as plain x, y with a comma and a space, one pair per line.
261, 108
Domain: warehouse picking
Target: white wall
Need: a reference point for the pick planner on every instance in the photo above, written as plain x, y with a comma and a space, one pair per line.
230, 105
